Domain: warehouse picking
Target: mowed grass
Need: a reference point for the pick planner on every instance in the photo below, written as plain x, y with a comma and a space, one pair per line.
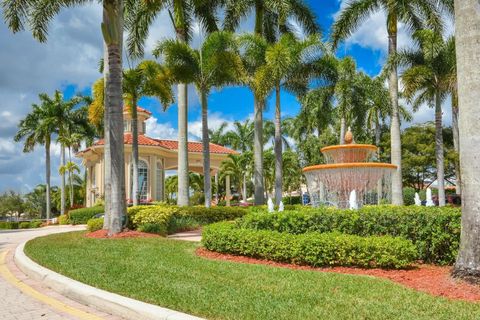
169, 274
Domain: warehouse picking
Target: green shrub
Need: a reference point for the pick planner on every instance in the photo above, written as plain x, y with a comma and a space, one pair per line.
157, 228
8, 225
94, 224
24, 225
176, 219
313, 248
35, 224
81, 216
434, 231
292, 200
63, 219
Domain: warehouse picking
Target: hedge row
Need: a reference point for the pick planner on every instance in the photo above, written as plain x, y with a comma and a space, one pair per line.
313, 248
434, 231
20, 225
81, 216
166, 219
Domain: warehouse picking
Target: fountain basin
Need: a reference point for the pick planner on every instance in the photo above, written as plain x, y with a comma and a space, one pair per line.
331, 184
348, 153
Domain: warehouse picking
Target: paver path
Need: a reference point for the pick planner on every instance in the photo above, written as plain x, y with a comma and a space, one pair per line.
194, 235
16, 304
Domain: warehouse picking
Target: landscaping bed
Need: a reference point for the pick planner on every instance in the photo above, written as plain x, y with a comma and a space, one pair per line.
170, 274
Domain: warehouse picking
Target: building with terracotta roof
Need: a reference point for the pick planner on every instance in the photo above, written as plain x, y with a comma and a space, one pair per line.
155, 157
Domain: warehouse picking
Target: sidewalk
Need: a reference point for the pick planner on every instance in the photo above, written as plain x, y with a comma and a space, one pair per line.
24, 298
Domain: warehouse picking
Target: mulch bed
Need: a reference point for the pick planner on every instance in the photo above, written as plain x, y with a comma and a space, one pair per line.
103, 234
431, 279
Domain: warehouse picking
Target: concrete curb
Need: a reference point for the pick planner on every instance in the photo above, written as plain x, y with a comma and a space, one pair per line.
100, 299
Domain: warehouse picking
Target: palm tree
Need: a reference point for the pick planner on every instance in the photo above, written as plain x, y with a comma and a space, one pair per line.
241, 137
218, 136
38, 14
148, 79
467, 38
215, 64
271, 18
70, 167
37, 128
427, 80
139, 19
411, 13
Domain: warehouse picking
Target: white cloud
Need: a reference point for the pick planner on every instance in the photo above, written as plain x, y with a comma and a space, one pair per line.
160, 130
215, 120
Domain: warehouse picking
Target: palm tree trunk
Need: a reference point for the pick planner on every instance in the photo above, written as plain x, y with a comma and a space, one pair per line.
70, 176
439, 150
378, 137
182, 196
47, 177
113, 19
207, 181
107, 154
259, 15
135, 192
456, 142
244, 190
467, 39
62, 180
342, 130
395, 134
258, 152
278, 149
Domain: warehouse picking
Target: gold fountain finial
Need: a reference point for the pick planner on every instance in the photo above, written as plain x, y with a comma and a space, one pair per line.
348, 136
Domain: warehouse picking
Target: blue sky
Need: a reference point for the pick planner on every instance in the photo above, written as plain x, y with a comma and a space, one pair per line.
69, 61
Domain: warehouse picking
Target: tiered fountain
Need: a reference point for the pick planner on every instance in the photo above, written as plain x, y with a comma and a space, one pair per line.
349, 171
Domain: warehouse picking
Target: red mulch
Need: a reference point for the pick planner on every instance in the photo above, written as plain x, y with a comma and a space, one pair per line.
432, 279
103, 234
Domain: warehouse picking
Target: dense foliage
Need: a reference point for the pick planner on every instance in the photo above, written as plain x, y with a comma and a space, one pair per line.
434, 231
81, 216
312, 248
95, 224
170, 219
20, 225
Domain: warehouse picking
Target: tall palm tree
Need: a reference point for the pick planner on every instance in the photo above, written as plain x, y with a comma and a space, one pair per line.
37, 128
38, 14
148, 79
413, 14
70, 167
467, 38
139, 19
215, 64
271, 18
427, 80
288, 63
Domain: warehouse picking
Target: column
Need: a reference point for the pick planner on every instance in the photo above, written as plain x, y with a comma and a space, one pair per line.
227, 187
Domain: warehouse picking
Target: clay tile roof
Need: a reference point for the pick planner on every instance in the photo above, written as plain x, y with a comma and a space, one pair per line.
172, 145
125, 109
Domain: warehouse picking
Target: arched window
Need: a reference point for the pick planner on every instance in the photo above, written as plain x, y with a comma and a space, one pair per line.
142, 180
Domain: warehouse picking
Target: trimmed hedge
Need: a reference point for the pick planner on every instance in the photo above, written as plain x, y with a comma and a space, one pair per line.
24, 225
63, 219
95, 224
434, 231
81, 216
313, 248
174, 219
8, 225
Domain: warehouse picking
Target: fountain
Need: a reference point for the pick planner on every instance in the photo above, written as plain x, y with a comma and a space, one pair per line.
417, 200
349, 170
270, 206
429, 198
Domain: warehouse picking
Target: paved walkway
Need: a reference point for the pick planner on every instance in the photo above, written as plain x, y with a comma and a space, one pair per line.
194, 235
22, 298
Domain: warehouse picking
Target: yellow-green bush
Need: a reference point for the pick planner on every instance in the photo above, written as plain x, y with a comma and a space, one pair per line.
63, 219
95, 224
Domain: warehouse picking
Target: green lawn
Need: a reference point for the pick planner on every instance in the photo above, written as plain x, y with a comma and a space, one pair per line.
167, 273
